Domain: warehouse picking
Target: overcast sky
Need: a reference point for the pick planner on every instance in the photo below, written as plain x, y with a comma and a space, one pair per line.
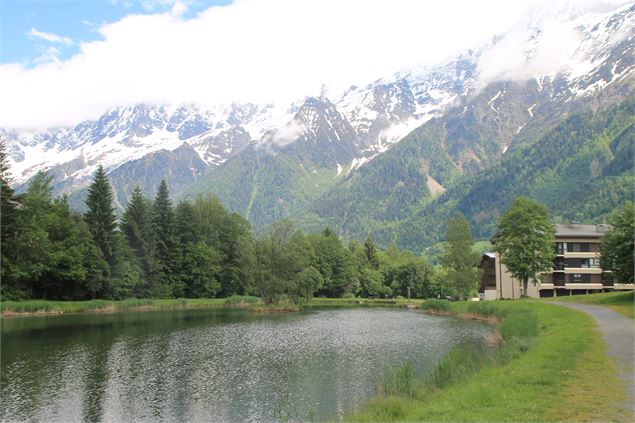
62, 63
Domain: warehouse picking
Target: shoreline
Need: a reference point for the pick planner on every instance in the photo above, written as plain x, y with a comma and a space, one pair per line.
43, 308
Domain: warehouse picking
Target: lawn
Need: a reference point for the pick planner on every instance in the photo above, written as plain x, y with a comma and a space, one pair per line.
565, 375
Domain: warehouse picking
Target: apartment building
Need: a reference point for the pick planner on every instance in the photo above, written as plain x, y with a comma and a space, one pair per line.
576, 268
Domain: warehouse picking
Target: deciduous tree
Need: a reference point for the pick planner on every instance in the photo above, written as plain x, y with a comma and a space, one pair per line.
526, 240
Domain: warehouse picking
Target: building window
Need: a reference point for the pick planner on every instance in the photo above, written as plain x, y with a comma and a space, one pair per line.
578, 247
579, 278
561, 247
591, 262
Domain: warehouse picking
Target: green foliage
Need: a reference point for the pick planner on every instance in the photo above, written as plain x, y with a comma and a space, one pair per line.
165, 277
100, 215
525, 241
618, 244
458, 259
304, 284
335, 263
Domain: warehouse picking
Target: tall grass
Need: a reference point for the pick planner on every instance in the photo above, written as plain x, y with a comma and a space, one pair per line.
399, 383
456, 366
435, 305
518, 328
487, 309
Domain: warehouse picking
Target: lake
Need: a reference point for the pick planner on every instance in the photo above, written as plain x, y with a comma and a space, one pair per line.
213, 365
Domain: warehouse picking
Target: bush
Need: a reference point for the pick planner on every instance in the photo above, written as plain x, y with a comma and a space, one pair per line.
348, 295
436, 305
241, 299
400, 297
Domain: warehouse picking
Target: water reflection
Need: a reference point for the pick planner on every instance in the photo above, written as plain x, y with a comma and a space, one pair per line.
212, 365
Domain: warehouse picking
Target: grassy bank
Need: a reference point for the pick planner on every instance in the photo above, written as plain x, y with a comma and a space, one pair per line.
621, 302
45, 307
557, 370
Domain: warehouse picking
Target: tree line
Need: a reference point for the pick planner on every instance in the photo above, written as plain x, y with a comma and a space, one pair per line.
199, 249
195, 248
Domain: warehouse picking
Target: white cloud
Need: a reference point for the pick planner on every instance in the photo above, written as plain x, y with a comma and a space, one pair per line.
258, 51
50, 37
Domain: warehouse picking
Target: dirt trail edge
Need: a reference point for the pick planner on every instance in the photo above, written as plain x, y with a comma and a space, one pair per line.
618, 333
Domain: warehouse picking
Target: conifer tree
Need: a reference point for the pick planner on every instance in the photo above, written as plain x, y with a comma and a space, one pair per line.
100, 217
371, 253
165, 243
136, 225
8, 214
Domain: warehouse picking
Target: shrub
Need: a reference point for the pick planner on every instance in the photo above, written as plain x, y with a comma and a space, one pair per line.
436, 305
348, 295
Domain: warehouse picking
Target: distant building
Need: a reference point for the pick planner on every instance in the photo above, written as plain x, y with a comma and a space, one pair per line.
576, 268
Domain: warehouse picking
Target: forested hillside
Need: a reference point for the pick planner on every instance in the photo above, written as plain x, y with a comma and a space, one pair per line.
582, 170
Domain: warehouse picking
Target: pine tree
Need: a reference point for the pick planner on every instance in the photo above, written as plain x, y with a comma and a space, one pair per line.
100, 217
8, 215
371, 253
165, 242
136, 225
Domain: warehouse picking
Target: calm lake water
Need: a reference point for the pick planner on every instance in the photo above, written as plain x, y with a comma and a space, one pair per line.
212, 365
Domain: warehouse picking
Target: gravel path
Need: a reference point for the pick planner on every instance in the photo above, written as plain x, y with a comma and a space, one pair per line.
619, 336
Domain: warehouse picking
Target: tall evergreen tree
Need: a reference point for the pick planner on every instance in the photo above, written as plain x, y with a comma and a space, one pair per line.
136, 225
371, 253
8, 215
165, 242
100, 217
458, 259
525, 240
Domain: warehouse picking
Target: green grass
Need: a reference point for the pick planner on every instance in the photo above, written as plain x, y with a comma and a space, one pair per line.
621, 302
59, 307
435, 305
554, 369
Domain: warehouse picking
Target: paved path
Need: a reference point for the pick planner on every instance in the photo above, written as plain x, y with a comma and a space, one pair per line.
619, 336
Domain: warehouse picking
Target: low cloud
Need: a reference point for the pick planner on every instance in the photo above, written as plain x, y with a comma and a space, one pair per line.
280, 137
265, 51
526, 51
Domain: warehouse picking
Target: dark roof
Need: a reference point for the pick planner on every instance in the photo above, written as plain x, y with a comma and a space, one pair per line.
574, 230
580, 230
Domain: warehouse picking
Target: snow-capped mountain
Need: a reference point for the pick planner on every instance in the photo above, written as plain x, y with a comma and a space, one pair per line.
571, 53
